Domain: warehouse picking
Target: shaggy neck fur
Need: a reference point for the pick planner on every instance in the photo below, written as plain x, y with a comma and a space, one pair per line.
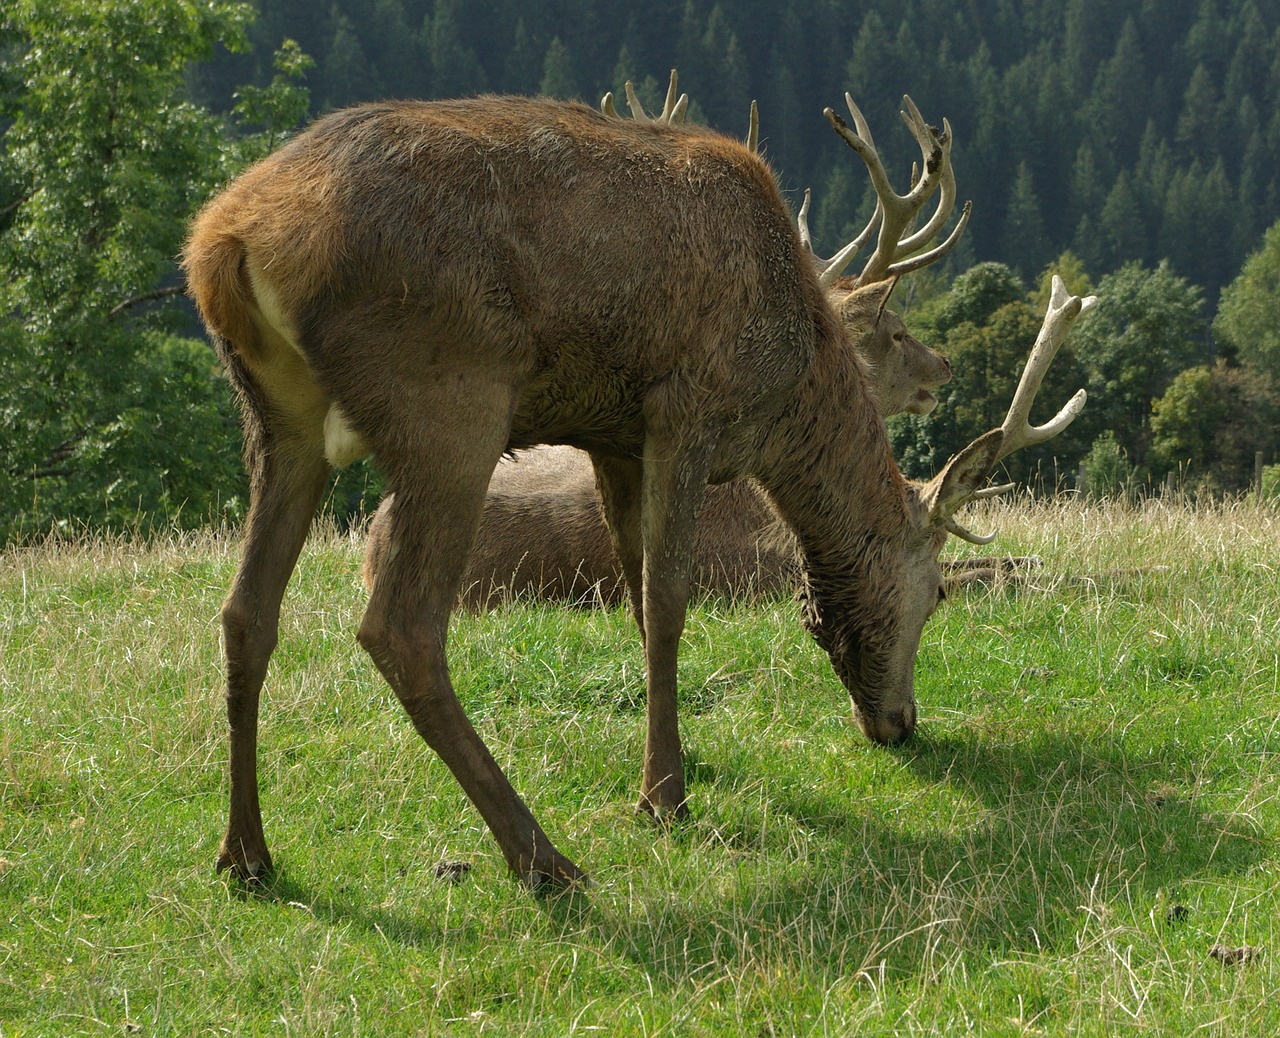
849, 508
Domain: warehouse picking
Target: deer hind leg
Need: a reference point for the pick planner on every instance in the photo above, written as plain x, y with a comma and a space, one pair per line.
286, 458
620, 483
675, 480
439, 494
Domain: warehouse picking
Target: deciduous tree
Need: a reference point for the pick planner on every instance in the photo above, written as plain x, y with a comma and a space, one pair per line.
103, 411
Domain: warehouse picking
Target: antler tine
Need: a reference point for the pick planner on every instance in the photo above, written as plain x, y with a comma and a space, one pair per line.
900, 210
937, 252
673, 109
964, 534
1017, 430
955, 528
802, 223
753, 130
606, 106
946, 197
829, 270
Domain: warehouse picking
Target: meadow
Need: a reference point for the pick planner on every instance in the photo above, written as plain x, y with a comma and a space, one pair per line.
1083, 837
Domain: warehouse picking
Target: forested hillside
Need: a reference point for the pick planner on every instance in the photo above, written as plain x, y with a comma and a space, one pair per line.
1133, 146
1129, 130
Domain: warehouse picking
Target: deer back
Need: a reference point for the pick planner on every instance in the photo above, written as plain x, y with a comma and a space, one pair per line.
589, 260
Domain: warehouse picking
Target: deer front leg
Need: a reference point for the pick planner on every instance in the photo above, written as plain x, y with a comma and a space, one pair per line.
285, 493
411, 657
675, 480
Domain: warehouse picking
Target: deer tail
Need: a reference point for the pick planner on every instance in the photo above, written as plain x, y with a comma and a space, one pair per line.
218, 281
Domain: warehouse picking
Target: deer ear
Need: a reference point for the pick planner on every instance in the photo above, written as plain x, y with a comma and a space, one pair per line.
953, 487
867, 301
884, 300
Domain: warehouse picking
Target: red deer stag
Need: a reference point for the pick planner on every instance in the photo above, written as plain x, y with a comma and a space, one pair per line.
543, 532
440, 282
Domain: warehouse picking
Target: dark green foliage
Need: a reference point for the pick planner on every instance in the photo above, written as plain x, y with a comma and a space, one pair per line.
107, 417
1095, 127
1106, 473
1248, 320
1271, 483
1146, 329
1145, 137
1210, 423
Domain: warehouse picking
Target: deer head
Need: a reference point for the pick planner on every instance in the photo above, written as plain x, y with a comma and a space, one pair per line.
886, 340
870, 621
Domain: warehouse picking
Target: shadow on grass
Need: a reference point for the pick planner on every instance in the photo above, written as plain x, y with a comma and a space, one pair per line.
279, 888
1059, 834
834, 884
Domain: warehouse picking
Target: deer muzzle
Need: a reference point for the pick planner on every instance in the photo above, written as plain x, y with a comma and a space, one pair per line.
891, 728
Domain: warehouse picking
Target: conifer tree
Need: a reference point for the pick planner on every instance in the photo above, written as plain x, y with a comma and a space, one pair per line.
558, 76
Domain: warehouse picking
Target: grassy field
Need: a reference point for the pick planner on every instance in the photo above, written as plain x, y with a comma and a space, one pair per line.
1089, 808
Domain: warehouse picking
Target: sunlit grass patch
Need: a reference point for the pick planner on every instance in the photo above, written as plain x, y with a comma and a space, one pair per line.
1097, 748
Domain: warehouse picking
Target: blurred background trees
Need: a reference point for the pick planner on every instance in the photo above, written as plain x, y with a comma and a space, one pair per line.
1133, 147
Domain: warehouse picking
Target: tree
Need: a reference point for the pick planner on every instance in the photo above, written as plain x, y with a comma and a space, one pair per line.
1023, 240
103, 411
1146, 329
1122, 231
522, 69
1183, 421
1119, 80
558, 77
1198, 125
455, 69
1211, 421
1069, 267
1248, 318
345, 70
975, 296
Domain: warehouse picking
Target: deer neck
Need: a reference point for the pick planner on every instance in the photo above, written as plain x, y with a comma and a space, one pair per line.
833, 478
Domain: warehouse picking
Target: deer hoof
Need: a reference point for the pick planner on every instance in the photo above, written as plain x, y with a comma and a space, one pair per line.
664, 814
557, 876
249, 870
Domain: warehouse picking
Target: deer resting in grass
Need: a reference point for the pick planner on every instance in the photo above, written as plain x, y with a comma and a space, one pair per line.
543, 533
440, 282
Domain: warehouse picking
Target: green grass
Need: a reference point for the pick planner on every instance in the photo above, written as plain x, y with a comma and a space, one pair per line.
1097, 746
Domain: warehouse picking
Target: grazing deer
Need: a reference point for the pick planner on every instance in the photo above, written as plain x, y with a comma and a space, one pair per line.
440, 282
543, 533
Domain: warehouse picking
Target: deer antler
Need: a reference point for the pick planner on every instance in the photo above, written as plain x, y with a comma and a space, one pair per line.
895, 213
673, 109
830, 269
1017, 431
1063, 311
